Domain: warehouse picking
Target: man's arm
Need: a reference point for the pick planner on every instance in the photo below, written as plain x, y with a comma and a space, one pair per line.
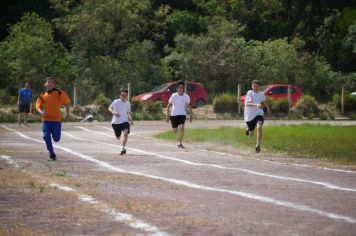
190, 112
168, 111
264, 104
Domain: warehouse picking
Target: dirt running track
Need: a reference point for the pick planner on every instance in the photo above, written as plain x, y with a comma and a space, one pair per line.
158, 189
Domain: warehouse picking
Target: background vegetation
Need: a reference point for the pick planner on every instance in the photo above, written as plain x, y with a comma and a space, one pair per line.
101, 45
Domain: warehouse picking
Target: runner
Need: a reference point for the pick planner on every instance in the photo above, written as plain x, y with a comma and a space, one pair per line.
25, 102
253, 114
121, 110
48, 105
179, 102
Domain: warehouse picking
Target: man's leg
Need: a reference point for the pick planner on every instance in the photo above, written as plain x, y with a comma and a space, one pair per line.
259, 135
180, 133
47, 130
56, 131
126, 135
25, 118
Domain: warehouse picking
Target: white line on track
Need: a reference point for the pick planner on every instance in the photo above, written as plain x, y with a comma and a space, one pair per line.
319, 183
224, 154
118, 216
247, 195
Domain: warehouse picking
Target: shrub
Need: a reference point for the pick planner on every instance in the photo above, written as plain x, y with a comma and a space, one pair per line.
136, 106
349, 103
280, 105
307, 107
327, 111
154, 107
225, 103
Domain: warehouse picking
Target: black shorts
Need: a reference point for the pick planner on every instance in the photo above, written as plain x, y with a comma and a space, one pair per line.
118, 128
177, 120
252, 124
24, 108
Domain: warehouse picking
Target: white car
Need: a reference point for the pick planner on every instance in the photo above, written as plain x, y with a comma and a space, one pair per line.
353, 94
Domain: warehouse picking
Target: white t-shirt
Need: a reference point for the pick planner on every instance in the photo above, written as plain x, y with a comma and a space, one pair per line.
252, 111
179, 104
123, 108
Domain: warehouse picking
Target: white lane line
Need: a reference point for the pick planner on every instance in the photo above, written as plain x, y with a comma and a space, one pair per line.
247, 195
118, 216
224, 154
319, 183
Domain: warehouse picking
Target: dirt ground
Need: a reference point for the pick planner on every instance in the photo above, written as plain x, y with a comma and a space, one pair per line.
158, 189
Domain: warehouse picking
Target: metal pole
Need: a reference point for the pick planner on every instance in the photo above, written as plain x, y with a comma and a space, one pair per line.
289, 97
238, 99
129, 89
75, 99
342, 100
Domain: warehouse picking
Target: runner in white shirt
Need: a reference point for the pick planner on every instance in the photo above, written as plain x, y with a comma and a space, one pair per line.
121, 110
253, 113
179, 102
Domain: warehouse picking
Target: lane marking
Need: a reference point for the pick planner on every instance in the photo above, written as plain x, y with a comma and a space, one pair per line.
225, 154
188, 184
319, 183
125, 218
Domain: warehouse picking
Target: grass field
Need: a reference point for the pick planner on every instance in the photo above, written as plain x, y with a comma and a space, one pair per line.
334, 143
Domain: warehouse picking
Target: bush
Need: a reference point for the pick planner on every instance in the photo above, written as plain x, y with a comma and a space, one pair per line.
307, 107
327, 111
5, 97
154, 107
136, 106
225, 103
349, 103
280, 105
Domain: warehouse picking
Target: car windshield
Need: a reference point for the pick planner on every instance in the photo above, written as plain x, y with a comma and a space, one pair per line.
263, 88
159, 88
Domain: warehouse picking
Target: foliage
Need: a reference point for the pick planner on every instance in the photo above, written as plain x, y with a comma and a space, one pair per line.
307, 107
349, 103
280, 105
225, 103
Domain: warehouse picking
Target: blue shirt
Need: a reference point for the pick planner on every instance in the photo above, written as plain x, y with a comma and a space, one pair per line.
25, 96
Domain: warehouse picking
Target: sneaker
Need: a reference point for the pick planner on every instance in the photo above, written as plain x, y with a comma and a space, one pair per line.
52, 157
123, 151
181, 146
257, 149
247, 132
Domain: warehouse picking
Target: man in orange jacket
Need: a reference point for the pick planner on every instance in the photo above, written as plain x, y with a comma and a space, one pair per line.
49, 105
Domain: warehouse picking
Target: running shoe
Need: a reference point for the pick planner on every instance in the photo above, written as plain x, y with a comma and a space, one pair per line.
247, 132
257, 149
52, 157
123, 151
181, 146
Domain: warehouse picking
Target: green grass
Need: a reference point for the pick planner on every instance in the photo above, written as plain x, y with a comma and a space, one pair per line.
334, 143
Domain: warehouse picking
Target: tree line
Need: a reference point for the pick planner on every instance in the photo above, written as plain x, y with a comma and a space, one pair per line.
101, 45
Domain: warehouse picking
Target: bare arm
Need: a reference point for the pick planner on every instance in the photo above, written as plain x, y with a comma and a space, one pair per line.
115, 113
168, 111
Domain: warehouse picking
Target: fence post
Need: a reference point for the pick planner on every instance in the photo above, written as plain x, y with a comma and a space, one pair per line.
75, 96
342, 100
129, 92
289, 97
238, 99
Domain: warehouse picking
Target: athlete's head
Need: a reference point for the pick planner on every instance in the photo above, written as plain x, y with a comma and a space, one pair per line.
124, 94
180, 87
256, 85
49, 83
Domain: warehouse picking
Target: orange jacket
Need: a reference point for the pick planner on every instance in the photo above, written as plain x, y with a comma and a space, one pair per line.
51, 103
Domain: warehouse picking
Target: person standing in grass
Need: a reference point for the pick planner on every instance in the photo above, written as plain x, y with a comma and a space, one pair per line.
179, 102
25, 102
121, 119
253, 113
48, 105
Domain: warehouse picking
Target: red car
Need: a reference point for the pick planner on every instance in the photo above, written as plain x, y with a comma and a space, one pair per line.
198, 95
279, 91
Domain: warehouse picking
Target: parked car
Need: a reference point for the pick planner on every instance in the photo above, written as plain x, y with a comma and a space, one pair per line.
198, 95
353, 94
279, 91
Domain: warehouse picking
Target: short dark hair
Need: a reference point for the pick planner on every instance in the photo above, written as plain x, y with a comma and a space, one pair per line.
124, 90
49, 78
256, 82
180, 82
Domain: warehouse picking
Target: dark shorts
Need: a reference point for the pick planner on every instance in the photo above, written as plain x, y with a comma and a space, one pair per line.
252, 124
24, 108
118, 128
177, 120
